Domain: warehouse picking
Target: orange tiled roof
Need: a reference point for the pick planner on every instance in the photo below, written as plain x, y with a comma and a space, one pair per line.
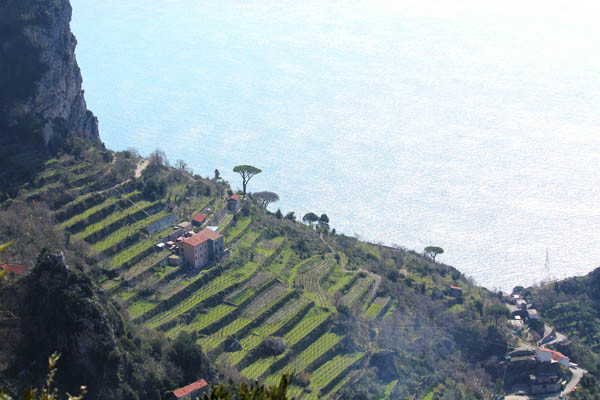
192, 387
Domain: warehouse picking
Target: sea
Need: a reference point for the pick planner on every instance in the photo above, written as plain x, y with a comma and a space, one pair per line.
469, 125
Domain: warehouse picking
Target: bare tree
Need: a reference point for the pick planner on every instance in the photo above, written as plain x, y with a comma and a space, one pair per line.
181, 164
266, 198
158, 159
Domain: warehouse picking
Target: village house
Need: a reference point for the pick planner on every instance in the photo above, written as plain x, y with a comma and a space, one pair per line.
544, 383
202, 248
544, 355
456, 291
517, 323
198, 219
193, 390
234, 202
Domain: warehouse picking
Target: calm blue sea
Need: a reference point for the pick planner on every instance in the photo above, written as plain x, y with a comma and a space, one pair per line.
472, 128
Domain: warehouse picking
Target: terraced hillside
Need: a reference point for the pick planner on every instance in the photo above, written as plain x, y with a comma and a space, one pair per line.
285, 298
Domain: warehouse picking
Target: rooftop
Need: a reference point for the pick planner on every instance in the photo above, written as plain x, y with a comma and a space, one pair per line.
234, 197
209, 233
556, 355
202, 236
200, 217
192, 387
15, 269
195, 240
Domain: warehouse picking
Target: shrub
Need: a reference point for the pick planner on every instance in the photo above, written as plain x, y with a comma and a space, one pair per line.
303, 379
272, 346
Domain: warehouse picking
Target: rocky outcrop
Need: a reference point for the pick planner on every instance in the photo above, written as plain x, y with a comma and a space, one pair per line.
59, 309
39, 73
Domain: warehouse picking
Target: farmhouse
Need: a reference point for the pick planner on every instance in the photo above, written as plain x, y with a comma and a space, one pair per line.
546, 355
202, 248
190, 391
233, 203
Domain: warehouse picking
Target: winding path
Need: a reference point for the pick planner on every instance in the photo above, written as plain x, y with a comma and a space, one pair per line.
140, 167
343, 268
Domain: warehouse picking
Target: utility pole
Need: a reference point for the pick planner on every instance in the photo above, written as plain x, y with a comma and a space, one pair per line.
547, 266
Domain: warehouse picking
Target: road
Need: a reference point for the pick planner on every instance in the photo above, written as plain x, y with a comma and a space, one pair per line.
577, 375
548, 331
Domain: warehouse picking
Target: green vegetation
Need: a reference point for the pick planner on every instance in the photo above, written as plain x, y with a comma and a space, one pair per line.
246, 172
433, 251
572, 307
348, 315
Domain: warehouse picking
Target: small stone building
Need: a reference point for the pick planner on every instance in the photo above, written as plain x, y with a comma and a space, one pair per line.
198, 219
544, 383
234, 202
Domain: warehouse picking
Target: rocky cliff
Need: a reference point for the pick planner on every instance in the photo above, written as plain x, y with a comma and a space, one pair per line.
56, 308
41, 92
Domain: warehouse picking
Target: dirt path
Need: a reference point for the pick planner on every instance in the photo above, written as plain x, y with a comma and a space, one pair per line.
140, 167
371, 295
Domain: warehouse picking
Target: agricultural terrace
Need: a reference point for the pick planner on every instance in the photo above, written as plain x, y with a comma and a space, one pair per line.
279, 282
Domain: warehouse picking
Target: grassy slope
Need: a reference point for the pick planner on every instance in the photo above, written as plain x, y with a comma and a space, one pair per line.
328, 314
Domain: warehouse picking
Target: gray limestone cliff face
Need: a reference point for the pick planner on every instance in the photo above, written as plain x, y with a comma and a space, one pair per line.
37, 32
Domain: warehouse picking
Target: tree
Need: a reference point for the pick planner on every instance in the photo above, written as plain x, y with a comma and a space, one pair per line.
324, 219
291, 216
157, 159
497, 311
310, 217
266, 198
278, 214
181, 164
217, 175
433, 251
246, 172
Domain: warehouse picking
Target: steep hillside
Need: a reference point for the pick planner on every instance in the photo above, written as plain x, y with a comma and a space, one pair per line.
572, 306
349, 318
40, 76
42, 107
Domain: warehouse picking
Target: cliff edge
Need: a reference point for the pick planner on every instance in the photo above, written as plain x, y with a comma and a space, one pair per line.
41, 94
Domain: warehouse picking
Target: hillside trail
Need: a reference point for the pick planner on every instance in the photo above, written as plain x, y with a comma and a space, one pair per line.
343, 268
377, 278
140, 167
